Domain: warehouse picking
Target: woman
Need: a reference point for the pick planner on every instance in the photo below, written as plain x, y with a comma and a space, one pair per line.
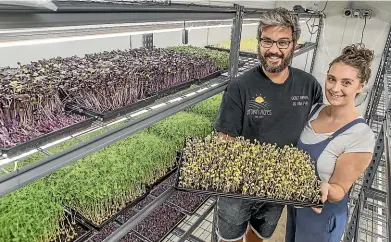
341, 146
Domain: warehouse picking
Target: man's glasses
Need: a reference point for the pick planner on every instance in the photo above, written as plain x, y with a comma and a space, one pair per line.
281, 44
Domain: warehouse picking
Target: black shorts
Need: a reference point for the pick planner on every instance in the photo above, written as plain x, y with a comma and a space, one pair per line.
234, 215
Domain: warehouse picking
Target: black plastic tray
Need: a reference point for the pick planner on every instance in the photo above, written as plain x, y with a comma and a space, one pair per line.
161, 179
109, 220
173, 227
137, 235
169, 231
48, 138
188, 211
86, 235
232, 195
107, 116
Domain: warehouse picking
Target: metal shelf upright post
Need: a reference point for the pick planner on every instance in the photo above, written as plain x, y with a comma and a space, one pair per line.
319, 31
378, 85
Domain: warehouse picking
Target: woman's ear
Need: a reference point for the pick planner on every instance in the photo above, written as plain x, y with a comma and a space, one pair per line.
361, 87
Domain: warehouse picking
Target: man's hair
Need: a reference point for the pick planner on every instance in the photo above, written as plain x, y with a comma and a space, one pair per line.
280, 17
359, 57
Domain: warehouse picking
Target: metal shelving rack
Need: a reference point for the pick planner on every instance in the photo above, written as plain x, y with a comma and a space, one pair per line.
143, 117
369, 207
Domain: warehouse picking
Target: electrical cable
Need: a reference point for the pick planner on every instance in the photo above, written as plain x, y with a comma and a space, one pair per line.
343, 35
363, 29
324, 8
316, 12
355, 28
306, 22
306, 60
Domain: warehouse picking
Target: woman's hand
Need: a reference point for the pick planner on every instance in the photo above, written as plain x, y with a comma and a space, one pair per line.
324, 189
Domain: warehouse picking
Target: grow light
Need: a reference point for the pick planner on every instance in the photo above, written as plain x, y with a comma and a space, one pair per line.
202, 90
138, 113
158, 106
190, 94
176, 99
118, 121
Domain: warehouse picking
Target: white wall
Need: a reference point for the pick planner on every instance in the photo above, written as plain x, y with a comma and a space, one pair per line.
339, 32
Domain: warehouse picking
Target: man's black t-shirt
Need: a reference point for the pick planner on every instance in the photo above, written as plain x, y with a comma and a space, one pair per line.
256, 108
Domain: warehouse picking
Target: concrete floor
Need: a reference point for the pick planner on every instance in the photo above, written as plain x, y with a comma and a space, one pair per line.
279, 234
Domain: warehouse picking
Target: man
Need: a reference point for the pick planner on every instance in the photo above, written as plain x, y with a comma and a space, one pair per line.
269, 103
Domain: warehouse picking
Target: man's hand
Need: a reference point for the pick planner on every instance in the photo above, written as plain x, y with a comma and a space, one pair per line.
324, 189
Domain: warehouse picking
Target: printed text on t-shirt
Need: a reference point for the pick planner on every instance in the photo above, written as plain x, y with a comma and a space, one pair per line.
300, 100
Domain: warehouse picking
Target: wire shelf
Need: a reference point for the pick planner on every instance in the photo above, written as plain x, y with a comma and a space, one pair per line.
373, 221
202, 233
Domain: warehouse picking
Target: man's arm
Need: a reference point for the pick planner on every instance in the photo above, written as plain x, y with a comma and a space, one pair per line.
229, 121
318, 93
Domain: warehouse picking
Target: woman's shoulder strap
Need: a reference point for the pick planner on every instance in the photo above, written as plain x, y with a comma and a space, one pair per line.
315, 108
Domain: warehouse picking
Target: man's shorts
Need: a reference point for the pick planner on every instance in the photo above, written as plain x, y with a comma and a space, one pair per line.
234, 215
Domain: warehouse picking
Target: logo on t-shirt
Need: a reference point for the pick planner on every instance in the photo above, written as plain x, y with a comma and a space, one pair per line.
258, 107
301, 100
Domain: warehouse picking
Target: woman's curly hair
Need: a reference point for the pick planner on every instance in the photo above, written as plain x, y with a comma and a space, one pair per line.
359, 57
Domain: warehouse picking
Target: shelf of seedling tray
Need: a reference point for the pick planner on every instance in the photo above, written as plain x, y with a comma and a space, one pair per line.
107, 116
241, 53
185, 85
217, 168
132, 237
105, 232
48, 137
168, 172
130, 211
81, 230
112, 218
160, 223
189, 203
164, 185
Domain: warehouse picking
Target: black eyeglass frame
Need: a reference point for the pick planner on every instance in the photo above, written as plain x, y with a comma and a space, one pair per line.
275, 41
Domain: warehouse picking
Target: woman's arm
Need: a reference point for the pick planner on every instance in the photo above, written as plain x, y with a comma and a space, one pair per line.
348, 168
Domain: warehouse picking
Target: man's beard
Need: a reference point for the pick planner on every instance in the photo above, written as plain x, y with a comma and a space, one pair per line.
274, 69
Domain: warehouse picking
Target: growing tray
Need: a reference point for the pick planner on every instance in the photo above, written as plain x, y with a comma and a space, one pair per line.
241, 53
187, 210
107, 116
170, 171
87, 229
185, 85
182, 217
48, 138
109, 220
232, 195
133, 236
107, 230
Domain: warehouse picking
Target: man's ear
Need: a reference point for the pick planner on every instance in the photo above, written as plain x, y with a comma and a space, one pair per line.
294, 44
